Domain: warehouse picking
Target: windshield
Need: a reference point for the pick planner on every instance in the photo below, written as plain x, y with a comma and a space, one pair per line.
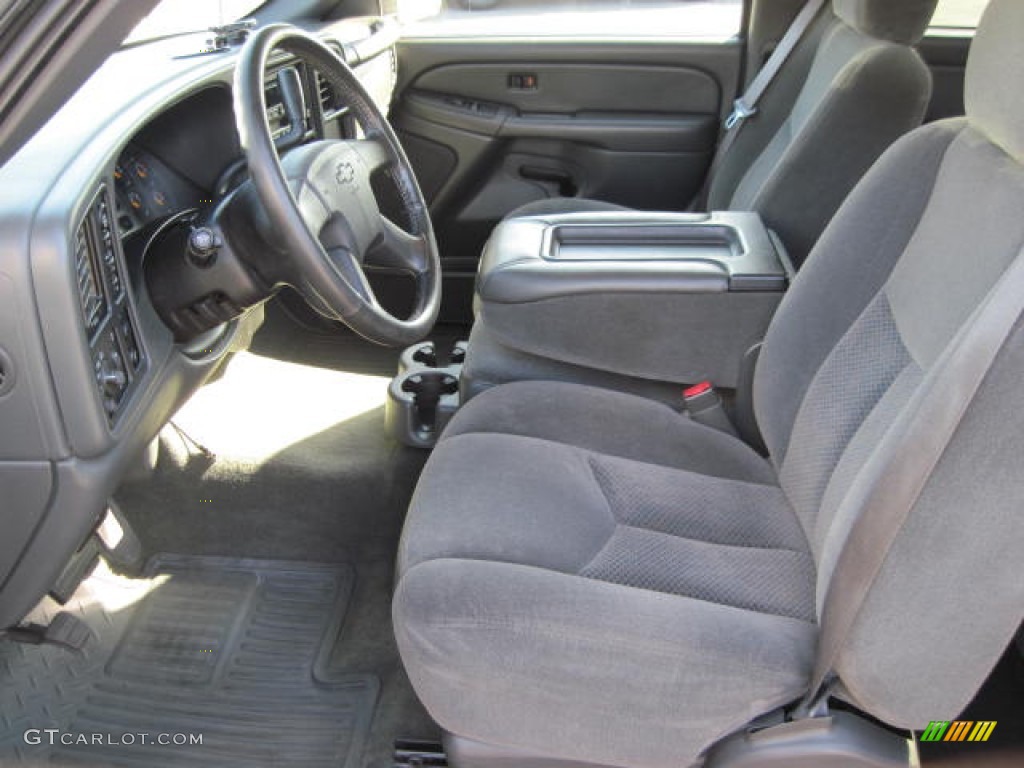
172, 17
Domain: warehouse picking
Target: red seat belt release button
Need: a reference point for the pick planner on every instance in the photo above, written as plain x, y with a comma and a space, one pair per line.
697, 390
705, 406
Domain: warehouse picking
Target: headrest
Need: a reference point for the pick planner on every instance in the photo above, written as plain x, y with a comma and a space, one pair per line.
995, 71
899, 21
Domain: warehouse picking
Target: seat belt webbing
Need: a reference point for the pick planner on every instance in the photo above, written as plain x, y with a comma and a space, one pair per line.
901, 472
746, 105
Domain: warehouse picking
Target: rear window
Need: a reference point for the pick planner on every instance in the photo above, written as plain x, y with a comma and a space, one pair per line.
958, 15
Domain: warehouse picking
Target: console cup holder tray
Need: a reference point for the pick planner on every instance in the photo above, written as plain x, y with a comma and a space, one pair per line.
424, 395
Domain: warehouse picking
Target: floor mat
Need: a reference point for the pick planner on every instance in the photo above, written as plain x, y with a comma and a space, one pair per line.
233, 652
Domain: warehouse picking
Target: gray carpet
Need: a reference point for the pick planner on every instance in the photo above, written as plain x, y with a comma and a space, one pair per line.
336, 496
237, 653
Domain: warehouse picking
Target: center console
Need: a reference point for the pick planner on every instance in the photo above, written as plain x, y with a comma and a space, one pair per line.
636, 301
640, 302
539, 257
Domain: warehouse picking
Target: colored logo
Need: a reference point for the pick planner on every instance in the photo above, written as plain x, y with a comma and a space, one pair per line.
958, 730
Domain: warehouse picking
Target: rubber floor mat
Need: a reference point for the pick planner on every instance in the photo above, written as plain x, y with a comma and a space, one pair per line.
206, 661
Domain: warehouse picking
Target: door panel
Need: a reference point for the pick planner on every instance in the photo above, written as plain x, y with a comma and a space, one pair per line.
491, 124
568, 88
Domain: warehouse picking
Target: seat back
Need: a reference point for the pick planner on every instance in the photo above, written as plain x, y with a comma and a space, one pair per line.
850, 89
917, 246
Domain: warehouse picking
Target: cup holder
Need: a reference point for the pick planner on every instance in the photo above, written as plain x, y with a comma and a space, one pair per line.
430, 385
426, 355
425, 394
458, 355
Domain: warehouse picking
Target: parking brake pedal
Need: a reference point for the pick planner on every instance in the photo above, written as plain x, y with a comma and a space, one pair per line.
410, 753
66, 630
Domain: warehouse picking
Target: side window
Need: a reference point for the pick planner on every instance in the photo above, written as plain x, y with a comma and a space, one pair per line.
957, 17
602, 19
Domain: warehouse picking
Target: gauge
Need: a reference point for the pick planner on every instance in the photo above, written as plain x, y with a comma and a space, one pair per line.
118, 172
160, 199
141, 169
135, 200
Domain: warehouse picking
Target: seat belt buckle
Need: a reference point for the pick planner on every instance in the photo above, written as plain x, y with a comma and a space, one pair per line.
704, 405
700, 396
740, 112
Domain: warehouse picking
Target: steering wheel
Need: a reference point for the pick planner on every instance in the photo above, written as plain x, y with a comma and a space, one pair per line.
320, 210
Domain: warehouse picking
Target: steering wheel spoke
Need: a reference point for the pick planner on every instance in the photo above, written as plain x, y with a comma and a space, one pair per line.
373, 152
398, 251
312, 207
348, 266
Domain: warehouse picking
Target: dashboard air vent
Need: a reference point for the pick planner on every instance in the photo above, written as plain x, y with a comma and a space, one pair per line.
330, 104
90, 294
328, 98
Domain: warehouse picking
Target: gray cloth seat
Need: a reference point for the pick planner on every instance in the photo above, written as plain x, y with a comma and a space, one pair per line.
586, 576
551, 534
852, 87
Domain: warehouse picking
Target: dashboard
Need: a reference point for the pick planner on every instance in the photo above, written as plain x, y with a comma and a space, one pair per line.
89, 373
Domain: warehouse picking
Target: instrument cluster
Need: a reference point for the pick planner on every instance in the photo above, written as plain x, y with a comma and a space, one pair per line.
147, 190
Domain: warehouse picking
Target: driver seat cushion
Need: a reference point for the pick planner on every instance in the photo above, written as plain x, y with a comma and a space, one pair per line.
672, 594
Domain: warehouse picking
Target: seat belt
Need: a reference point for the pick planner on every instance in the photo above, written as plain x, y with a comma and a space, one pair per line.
900, 473
746, 105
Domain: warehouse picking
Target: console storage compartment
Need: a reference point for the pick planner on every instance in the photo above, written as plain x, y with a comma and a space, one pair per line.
632, 300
